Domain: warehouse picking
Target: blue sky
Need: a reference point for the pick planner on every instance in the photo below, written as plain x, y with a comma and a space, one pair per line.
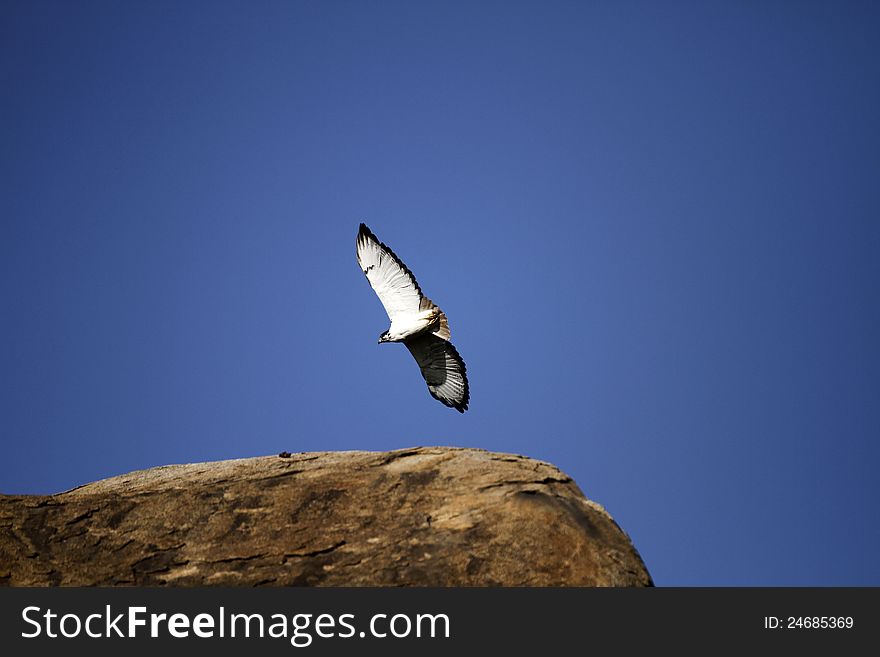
655, 228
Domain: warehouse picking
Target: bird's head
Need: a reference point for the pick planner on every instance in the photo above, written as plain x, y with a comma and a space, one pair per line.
383, 337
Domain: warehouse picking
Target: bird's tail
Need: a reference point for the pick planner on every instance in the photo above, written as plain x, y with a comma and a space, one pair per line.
440, 327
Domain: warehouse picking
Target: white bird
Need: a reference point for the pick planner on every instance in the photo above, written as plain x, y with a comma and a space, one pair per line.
415, 321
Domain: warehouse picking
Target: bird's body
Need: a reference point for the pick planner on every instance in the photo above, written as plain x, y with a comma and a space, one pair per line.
415, 321
407, 326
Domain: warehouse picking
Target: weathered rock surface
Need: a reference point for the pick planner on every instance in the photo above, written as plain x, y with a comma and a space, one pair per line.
415, 517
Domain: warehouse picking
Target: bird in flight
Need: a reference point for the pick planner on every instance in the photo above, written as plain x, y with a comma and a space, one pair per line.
415, 321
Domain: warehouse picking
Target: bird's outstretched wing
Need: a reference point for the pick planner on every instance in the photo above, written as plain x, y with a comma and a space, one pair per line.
393, 283
443, 369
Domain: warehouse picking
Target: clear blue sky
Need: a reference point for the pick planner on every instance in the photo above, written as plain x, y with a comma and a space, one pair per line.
655, 227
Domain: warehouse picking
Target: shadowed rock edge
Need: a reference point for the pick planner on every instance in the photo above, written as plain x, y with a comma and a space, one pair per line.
425, 516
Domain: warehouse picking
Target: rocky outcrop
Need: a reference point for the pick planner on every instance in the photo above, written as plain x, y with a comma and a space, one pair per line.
426, 516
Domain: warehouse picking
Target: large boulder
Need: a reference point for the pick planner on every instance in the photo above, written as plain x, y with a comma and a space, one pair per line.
428, 516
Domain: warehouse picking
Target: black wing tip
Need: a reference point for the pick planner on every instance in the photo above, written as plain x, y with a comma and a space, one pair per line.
365, 234
460, 406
